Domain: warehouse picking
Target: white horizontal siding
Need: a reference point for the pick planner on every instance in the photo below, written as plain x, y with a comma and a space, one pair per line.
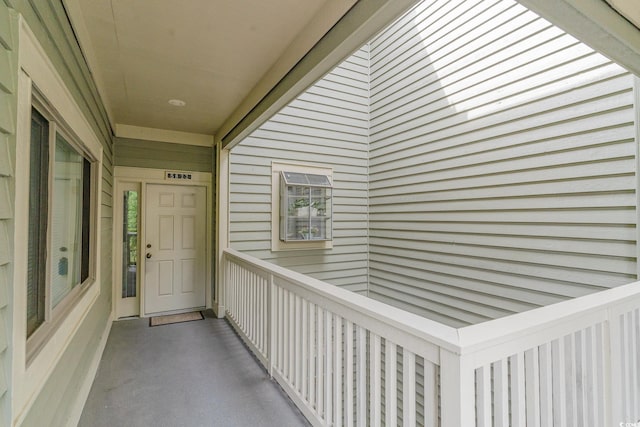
328, 125
502, 164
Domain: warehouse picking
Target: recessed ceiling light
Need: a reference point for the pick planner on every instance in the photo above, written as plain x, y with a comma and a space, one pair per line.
177, 102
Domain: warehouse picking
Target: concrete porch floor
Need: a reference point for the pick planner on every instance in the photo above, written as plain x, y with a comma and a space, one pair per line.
187, 374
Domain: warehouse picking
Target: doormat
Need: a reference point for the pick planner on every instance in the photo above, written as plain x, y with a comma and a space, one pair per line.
175, 318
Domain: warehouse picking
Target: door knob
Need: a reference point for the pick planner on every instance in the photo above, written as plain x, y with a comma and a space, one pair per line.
148, 256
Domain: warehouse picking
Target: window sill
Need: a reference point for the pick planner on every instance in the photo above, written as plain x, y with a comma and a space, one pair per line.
48, 330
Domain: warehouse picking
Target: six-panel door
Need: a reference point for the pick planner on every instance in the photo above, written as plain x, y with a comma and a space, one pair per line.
174, 248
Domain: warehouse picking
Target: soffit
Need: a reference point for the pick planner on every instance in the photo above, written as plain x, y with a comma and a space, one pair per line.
209, 53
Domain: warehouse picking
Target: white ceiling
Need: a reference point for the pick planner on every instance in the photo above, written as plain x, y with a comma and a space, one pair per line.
209, 53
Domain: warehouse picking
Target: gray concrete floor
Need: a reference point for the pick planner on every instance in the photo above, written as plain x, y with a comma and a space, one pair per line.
187, 374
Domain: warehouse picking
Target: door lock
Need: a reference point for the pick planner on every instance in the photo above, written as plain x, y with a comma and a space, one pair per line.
148, 256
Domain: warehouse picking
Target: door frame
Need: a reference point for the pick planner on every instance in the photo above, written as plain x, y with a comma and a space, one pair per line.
124, 175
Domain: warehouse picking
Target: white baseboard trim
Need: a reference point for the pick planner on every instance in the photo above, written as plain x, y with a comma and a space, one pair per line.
76, 411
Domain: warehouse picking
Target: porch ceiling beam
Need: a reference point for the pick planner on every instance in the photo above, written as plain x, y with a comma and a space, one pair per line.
354, 29
595, 23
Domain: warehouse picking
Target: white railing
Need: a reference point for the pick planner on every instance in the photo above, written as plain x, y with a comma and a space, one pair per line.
576, 363
345, 359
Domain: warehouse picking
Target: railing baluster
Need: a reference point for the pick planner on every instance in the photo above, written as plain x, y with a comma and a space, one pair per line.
630, 365
329, 345
291, 337
361, 376
430, 394
391, 383
348, 367
337, 378
518, 411
635, 331
581, 377
600, 402
267, 310
272, 327
375, 383
250, 286
243, 297
279, 325
559, 387
591, 375
239, 295
297, 350
483, 396
635, 361
321, 351
312, 351
546, 386
304, 351
288, 325
570, 371
501, 393
408, 388
532, 387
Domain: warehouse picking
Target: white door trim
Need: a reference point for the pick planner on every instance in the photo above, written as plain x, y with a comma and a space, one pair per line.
144, 176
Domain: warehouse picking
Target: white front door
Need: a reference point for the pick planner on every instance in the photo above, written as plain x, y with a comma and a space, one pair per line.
174, 248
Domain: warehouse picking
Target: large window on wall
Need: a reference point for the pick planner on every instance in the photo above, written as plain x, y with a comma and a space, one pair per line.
60, 260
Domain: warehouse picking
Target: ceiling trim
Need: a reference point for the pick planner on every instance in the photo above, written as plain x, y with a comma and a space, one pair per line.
163, 135
353, 30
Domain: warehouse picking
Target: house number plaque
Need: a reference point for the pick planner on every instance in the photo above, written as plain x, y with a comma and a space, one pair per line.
171, 175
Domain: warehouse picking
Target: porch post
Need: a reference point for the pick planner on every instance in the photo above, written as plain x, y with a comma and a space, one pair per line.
222, 224
457, 390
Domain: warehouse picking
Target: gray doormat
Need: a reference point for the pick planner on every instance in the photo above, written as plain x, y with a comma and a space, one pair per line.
175, 318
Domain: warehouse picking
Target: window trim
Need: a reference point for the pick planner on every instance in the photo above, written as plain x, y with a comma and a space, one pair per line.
36, 69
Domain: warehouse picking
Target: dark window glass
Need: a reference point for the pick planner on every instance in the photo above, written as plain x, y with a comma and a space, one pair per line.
37, 234
130, 244
86, 218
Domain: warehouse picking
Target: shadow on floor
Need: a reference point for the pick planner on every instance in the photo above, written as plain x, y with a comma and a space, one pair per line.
187, 374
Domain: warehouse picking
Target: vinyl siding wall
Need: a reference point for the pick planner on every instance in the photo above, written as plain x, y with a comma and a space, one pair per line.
48, 21
502, 164
325, 126
8, 109
162, 155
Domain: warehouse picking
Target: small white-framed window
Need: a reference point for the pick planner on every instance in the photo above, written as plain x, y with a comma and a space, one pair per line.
302, 212
61, 259
305, 207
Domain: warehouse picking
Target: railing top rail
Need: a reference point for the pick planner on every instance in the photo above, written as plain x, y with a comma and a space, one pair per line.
434, 332
494, 332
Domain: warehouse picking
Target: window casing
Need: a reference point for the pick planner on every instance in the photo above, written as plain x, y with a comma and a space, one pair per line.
61, 247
